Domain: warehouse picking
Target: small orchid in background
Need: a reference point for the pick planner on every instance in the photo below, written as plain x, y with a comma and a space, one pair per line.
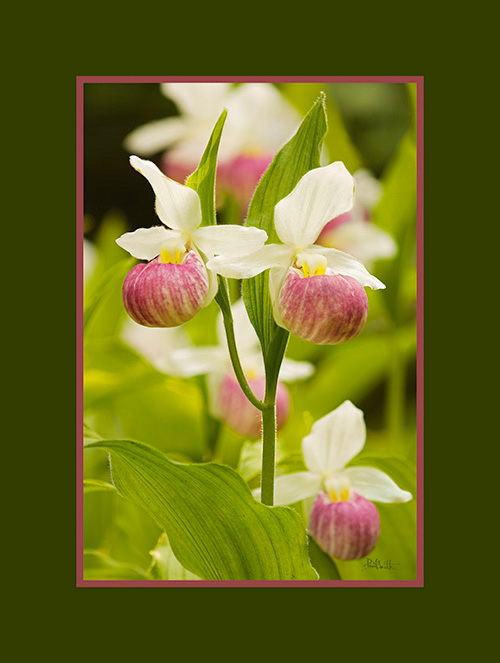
343, 520
155, 343
171, 288
354, 232
227, 400
260, 120
317, 292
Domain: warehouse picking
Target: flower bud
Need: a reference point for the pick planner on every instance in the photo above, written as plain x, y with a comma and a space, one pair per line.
237, 411
166, 294
326, 309
346, 530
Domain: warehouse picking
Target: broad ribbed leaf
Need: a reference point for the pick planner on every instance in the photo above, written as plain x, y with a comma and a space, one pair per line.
97, 486
217, 530
337, 141
203, 178
295, 159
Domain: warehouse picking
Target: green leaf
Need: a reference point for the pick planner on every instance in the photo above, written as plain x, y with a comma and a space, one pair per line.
295, 159
323, 563
396, 212
352, 370
113, 369
98, 566
337, 140
96, 485
215, 527
165, 565
203, 179
104, 291
89, 435
250, 461
397, 207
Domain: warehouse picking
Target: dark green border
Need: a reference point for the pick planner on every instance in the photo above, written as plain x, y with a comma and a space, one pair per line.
43, 100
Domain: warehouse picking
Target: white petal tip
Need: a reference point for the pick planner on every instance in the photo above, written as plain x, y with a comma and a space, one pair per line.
405, 496
377, 285
135, 162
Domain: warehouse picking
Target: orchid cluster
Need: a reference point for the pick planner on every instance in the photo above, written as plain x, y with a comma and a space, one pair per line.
316, 285
260, 120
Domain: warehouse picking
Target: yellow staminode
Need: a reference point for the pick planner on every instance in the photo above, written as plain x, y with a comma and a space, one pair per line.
318, 271
311, 264
344, 495
166, 257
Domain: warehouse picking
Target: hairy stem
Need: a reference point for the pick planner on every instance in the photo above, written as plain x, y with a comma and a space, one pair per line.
273, 364
222, 299
268, 454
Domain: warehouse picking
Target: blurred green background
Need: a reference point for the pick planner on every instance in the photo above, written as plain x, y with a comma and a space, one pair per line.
370, 126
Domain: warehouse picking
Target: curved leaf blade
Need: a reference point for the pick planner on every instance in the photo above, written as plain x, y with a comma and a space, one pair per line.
203, 178
215, 527
300, 155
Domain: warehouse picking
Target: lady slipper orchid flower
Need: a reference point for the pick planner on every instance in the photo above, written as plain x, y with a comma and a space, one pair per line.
343, 519
171, 288
227, 400
259, 121
317, 292
354, 232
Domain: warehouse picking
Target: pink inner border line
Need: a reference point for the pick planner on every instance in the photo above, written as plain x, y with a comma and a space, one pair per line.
419, 80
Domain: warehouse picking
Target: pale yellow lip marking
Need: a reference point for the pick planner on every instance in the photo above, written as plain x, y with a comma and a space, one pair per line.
344, 495
319, 271
166, 257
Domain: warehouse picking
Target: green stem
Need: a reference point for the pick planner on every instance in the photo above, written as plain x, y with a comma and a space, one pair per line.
273, 364
273, 360
222, 298
268, 454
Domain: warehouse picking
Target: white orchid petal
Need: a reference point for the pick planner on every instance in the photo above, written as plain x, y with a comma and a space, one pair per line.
291, 488
364, 240
335, 439
200, 100
196, 360
145, 243
343, 263
177, 205
321, 195
259, 118
375, 485
213, 286
156, 136
229, 240
368, 188
295, 370
276, 277
270, 255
